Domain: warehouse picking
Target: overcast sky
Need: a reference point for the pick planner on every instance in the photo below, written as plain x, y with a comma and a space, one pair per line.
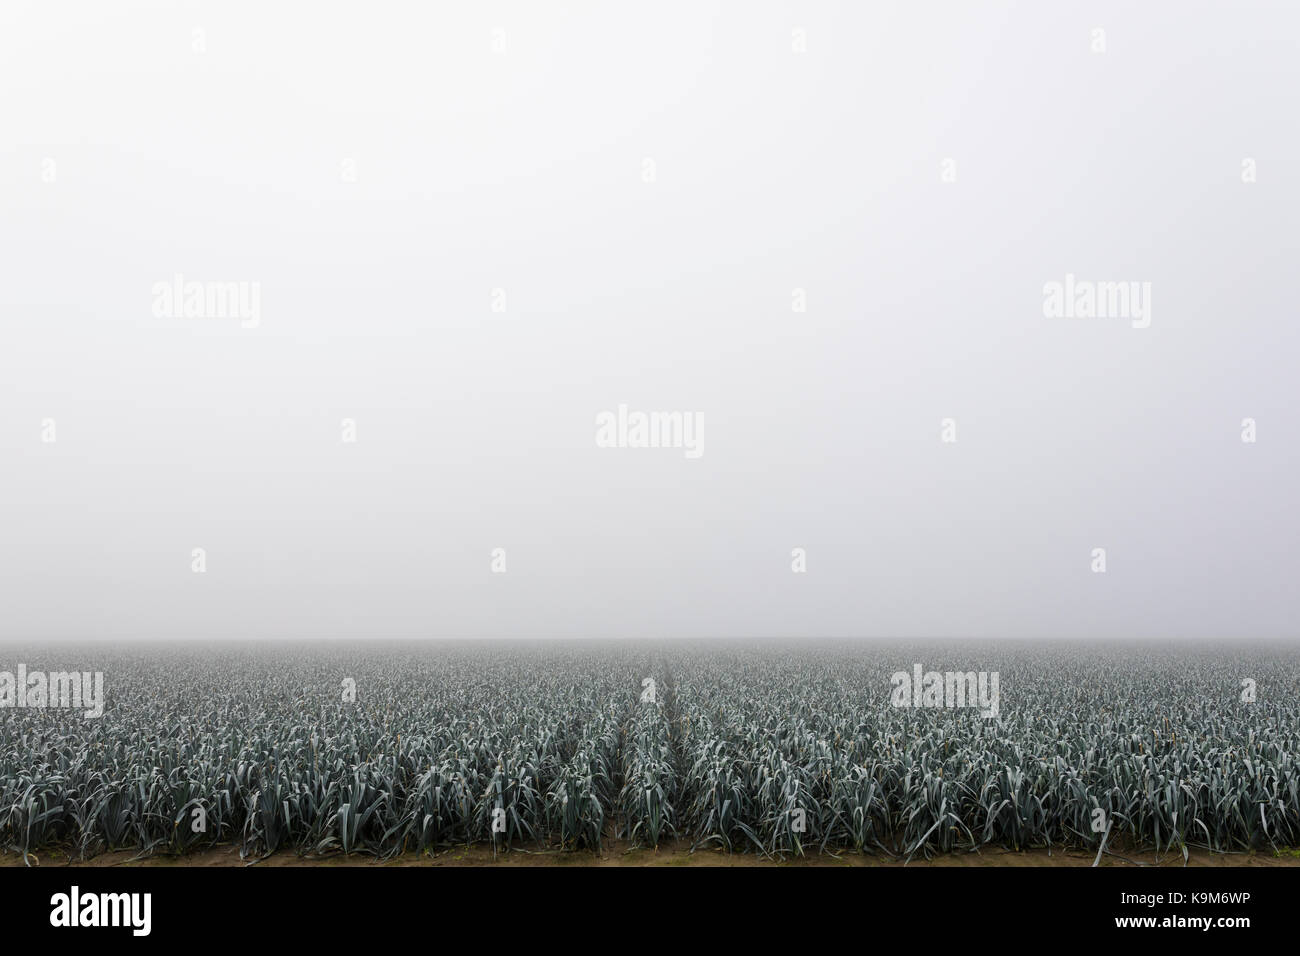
457, 243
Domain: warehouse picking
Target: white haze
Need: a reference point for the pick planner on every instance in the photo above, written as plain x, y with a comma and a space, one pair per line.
522, 170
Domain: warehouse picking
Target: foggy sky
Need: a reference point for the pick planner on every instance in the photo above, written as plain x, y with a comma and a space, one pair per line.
521, 168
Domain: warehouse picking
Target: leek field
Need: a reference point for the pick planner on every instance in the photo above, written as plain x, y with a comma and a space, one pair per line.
766, 748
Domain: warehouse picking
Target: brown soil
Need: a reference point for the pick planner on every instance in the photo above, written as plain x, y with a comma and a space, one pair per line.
616, 854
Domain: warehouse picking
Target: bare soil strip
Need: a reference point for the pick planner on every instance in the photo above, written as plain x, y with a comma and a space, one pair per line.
618, 854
